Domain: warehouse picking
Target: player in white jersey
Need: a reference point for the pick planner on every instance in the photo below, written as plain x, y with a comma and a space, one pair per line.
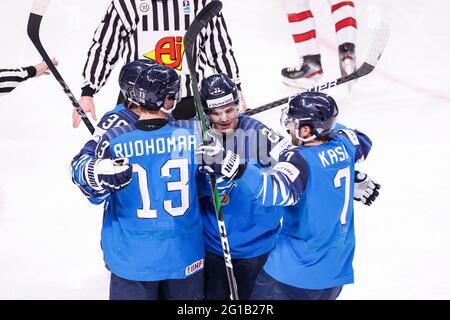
154, 30
303, 28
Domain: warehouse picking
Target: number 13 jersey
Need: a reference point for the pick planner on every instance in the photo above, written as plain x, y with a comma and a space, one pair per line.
152, 229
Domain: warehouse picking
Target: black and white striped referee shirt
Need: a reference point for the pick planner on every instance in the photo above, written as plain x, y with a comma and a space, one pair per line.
134, 29
11, 78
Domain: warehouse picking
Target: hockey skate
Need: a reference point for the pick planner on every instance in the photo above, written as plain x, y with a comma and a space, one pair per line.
305, 75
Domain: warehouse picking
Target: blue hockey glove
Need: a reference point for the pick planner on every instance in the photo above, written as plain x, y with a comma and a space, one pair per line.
108, 174
366, 190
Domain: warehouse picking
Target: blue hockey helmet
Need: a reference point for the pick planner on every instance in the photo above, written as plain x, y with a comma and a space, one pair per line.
128, 75
218, 91
314, 109
154, 85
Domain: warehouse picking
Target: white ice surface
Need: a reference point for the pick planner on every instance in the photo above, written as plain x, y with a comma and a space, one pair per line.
49, 233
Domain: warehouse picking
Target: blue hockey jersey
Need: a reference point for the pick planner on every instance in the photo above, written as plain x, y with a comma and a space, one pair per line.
152, 228
316, 245
252, 228
119, 116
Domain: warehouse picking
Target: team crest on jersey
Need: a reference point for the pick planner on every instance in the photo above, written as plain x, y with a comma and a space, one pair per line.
224, 199
168, 51
224, 188
197, 265
186, 7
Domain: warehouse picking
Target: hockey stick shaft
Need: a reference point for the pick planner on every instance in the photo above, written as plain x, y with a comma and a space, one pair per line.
377, 46
190, 40
34, 23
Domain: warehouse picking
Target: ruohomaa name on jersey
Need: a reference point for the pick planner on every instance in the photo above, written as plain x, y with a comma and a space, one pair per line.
145, 147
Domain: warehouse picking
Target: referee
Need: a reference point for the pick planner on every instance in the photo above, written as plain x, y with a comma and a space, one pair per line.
11, 78
154, 29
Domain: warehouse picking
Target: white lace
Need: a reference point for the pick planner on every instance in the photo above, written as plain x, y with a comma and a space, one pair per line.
297, 67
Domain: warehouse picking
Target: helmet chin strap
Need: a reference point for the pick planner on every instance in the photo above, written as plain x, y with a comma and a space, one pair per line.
302, 141
168, 111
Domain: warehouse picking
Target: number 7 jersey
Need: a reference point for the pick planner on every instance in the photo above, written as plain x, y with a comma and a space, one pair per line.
152, 229
317, 241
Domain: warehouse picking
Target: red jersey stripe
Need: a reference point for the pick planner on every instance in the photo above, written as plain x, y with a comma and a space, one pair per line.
347, 22
304, 36
296, 17
339, 5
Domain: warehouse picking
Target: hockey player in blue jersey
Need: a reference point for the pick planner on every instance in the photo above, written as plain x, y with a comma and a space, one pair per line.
314, 182
313, 255
251, 228
152, 233
122, 115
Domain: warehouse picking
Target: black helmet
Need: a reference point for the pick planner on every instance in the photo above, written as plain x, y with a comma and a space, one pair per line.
154, 85
128, 75
218, 91
315, 109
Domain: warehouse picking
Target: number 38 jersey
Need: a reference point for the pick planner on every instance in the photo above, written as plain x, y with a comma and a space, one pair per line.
152, 229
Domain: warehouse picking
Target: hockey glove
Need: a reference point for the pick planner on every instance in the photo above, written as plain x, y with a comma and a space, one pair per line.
366, 190
108, 174
212, 162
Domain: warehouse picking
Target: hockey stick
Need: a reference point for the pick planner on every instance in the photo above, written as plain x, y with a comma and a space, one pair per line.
34, 23
378, 43
190, 40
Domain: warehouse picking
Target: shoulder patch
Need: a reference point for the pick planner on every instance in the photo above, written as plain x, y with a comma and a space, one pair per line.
351, 135
279, 148
288, 170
